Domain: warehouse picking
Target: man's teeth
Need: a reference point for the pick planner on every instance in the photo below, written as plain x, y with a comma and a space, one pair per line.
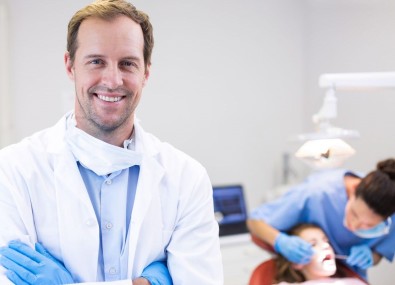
109, 99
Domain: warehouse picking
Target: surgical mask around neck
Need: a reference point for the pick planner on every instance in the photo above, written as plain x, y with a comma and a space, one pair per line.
97, 155
379, 230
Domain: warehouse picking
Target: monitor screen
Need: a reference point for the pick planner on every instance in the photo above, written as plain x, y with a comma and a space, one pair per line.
230, 209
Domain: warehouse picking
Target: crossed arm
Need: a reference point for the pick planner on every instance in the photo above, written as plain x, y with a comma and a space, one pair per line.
26, 266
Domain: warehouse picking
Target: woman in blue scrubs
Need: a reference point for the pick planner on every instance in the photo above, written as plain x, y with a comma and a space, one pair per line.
355, 213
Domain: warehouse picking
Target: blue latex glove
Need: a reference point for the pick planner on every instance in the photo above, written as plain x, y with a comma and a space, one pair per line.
293, 248
157, 273
27, 266
360, 256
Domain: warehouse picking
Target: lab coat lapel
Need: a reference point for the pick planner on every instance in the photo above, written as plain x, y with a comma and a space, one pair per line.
78, 227
151, 174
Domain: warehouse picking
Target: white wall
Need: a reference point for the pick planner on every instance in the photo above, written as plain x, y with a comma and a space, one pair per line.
217, 89
4, 77
354, 36
38, 82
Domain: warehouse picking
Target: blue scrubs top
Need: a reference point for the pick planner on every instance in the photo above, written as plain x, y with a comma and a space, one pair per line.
321, 199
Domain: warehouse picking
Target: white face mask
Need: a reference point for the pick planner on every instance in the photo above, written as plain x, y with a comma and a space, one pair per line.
379, 230
97, 155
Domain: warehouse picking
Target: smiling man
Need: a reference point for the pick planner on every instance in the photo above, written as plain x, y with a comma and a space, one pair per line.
109, 72
96, 198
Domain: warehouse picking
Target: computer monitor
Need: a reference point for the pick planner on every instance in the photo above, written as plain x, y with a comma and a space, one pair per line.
230, 209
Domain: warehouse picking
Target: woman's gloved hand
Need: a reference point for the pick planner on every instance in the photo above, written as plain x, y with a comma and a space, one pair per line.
27, 266
360, 256
293, 248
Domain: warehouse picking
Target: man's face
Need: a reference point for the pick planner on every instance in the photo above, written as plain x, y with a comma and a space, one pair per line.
109, 74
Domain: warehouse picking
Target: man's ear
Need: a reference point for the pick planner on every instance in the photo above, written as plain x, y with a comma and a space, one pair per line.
69, 65
146, 74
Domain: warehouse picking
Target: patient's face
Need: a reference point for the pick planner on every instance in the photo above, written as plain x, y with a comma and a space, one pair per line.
323, 262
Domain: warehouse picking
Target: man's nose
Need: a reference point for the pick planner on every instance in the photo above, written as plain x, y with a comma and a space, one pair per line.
112, 77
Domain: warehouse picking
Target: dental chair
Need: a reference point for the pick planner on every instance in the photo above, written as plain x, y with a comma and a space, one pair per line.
264, 273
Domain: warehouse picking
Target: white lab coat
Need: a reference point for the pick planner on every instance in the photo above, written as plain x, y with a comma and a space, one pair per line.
43, 198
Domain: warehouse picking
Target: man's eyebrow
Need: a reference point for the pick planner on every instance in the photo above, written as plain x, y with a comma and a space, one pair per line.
134, 58
93, 56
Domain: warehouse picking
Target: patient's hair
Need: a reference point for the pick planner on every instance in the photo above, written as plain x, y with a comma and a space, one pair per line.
285, 271
377, 189
109, 10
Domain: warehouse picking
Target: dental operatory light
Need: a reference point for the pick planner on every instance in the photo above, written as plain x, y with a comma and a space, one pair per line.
326, 148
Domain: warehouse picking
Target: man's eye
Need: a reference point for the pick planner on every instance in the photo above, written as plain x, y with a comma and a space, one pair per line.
128, 64
97, 61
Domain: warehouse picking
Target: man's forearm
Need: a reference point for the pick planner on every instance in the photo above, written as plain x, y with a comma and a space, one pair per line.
140, 281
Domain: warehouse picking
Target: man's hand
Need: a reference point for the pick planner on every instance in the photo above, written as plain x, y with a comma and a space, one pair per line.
140, 281
29, 267
156, 273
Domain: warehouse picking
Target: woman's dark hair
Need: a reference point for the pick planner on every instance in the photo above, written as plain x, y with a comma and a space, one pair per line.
377, 189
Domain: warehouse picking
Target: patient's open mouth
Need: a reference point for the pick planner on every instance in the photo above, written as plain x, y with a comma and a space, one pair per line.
328, 263
327, 257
